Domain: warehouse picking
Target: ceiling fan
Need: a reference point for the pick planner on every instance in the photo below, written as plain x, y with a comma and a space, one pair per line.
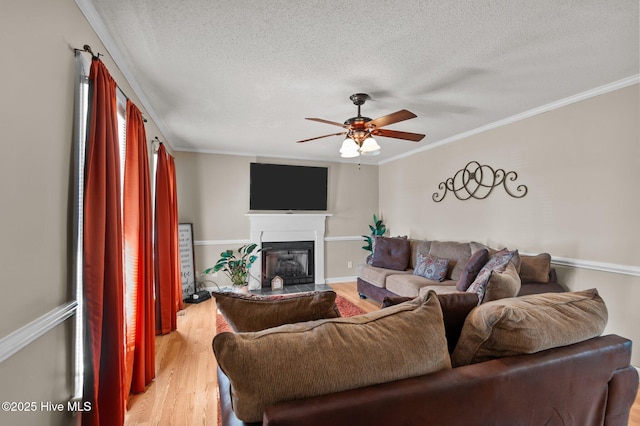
360, 130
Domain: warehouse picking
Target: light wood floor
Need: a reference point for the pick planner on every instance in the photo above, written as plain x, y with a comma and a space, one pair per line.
185, 389
634, 416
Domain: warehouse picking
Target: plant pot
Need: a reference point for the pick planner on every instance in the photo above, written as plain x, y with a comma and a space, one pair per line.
241, 289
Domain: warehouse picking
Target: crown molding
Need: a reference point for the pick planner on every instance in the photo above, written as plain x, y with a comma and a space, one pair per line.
96, 22
616, 85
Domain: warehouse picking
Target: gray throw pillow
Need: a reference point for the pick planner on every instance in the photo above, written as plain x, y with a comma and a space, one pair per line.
431, 267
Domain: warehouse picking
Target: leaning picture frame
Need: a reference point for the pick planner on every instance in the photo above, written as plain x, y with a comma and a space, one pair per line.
187, 261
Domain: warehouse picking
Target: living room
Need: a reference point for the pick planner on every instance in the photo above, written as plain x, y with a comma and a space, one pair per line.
578, 157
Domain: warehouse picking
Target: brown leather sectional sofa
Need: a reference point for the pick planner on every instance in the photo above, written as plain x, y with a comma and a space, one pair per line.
586, 383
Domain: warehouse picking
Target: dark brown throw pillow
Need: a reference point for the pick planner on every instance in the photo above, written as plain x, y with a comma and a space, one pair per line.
247, 312
391, 253
471, 269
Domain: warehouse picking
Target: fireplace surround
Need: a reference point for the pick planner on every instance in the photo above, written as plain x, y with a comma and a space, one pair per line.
290, 260
268, 228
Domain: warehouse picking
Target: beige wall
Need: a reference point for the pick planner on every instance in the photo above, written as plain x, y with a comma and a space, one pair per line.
37, 38
581, 164
213, 194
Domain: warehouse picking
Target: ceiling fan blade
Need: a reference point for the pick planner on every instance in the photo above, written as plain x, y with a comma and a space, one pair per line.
395, 117
414, 137
320, 120
325, 136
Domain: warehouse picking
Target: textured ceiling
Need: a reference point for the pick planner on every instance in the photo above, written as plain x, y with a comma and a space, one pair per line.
240, 76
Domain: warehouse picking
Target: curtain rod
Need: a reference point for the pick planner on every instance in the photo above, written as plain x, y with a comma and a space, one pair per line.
155, 144
86, 48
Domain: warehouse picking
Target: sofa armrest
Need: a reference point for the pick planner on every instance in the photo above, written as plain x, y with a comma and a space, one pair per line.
227, 416
540, 388
532, 287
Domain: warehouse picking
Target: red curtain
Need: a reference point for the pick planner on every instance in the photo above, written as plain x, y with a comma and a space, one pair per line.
138, 254
103, 269
167, 254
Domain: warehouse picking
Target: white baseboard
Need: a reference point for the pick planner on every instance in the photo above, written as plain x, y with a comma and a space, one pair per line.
337, 280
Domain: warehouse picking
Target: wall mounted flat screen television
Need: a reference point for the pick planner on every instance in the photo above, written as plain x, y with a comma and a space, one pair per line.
285, 187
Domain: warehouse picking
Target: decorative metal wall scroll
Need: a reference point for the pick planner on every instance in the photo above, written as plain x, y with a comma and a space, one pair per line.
477, 181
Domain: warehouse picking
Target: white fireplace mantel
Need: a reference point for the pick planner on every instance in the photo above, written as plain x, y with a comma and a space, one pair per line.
279, 227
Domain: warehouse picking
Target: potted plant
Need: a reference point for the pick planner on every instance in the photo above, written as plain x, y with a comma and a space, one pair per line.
236, 265
378, 228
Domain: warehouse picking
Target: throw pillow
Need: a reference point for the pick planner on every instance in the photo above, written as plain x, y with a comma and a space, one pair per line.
535, 268
529, 324
502, 284
245, 312
457, 253
497, 262
391, 253
471, 269
431, 267
302, 360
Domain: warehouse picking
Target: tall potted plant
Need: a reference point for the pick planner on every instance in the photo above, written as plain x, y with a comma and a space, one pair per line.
236, 265
378, 228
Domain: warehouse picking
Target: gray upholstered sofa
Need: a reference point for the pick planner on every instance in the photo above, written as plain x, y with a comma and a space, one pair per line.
391, 270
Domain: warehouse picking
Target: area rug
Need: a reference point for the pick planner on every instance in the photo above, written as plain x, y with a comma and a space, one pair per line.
346, 308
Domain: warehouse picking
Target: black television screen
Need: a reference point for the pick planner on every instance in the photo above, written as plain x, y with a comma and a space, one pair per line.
285, 187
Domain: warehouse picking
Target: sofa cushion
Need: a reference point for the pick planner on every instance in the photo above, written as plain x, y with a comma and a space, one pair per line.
391, 253
377, 276
528, 324
271, 311
439, 288
471, 269
457, 253
307, 359
497, 262
431, 267
455, 308
502, 284
535, 268
409, 285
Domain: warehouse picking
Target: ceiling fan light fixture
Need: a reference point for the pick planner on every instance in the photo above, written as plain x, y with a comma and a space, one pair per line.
369, 146
359, 130
371, 153
349, 149
349, 154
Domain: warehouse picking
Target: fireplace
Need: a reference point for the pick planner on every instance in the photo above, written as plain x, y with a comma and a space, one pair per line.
293, 261
270, 228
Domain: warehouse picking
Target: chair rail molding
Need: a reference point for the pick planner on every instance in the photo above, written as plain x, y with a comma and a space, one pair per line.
22, 337
597, 266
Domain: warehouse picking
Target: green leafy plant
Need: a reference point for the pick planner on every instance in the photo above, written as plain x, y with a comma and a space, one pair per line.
236, 267
378, 228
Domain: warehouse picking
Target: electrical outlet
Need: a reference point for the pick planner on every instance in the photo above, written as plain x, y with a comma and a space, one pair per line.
349, 264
